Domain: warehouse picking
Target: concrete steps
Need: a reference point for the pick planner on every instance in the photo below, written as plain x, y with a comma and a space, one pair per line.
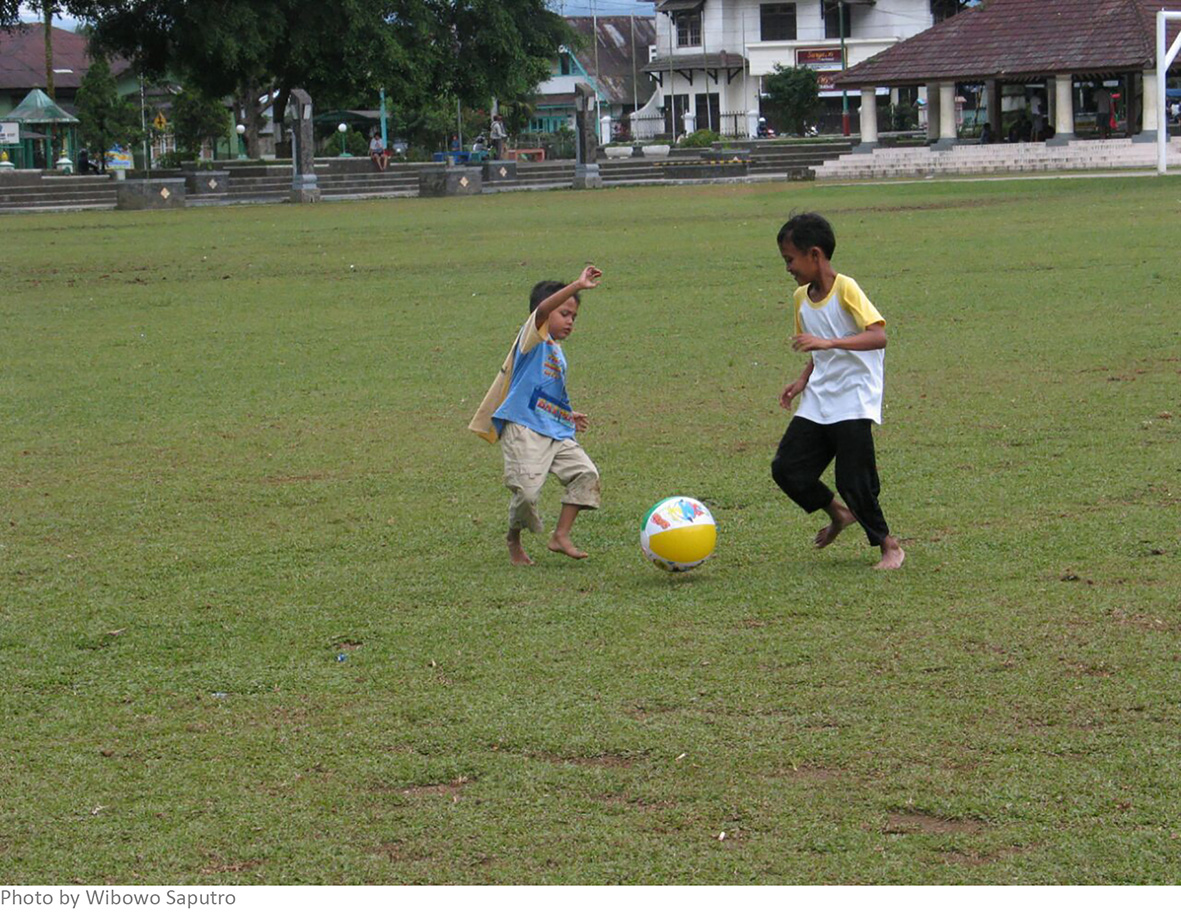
781, 159
1002, 158
58, 192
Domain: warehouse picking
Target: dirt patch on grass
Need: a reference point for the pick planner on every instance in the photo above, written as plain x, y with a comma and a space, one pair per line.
397, 853
643, 713
301, 478
809, 773
452, 789
976, 204
1088, 670
230, 867
1147, 621
980, 859
907, 824
634, 803
606, 761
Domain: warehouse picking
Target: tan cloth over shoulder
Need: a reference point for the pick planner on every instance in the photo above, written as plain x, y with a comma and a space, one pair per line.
481, 424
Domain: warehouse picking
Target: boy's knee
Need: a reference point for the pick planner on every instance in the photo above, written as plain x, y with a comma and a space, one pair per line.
525, 482
788, 480
584, 489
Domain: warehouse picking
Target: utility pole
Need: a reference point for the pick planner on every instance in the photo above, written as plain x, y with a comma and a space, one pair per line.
385, 142
595, 34
635, 76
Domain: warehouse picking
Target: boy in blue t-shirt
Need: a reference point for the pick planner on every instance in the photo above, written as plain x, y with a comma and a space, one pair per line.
528, 411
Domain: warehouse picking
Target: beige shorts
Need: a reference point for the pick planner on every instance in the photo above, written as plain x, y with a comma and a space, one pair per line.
528, 457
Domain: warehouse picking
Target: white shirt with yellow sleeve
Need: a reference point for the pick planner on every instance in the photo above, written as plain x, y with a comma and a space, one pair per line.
845, 384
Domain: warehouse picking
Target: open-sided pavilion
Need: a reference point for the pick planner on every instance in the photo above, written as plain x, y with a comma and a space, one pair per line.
1065, 43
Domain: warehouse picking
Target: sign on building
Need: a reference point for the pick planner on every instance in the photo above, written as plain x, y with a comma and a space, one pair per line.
826, 62
10, 133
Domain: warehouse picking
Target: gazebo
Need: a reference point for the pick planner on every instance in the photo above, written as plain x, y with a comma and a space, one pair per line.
1058, 42
43, 115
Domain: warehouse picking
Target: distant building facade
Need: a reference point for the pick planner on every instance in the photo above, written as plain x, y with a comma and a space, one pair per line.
710, 56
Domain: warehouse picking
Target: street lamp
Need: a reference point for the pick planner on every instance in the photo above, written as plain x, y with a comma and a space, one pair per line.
241, 129
342, 129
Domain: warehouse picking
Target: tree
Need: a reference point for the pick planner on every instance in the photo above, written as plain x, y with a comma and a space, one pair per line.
793, 95
47, 10
197, 117
105, 118
339, 52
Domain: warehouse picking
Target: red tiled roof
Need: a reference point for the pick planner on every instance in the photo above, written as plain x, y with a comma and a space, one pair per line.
22, 58
1013, 38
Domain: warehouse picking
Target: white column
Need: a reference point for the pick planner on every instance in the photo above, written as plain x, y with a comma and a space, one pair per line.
869, 117
933, 111
947, 132
993, 105
1063, 108
1148, 113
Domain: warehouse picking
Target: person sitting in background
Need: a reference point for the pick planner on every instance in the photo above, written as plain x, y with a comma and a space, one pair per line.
377, 152
986, 134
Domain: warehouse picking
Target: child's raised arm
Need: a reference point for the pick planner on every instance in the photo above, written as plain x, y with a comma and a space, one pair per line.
588, 279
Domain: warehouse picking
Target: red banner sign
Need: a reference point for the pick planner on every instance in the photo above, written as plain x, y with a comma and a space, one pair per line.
819, 58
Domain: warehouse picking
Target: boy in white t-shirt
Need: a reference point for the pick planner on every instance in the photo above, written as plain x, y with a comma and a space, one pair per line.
842, 391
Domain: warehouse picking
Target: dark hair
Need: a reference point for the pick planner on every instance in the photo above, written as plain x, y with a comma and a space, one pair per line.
544, 290
807, 231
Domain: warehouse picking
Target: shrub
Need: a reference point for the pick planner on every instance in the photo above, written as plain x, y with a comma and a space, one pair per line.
699, 139
903, 116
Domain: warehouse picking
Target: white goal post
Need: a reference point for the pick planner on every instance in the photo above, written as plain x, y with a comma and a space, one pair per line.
1164, 59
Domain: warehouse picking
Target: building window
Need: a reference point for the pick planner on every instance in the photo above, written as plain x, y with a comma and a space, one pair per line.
564, 64
689, 30
777, 22
832, 20
945, 9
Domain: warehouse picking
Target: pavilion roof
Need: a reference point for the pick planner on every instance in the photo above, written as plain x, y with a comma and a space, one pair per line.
1007, 39
39, 108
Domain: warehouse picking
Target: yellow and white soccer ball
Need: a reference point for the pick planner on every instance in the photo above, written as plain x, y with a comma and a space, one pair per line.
678, 534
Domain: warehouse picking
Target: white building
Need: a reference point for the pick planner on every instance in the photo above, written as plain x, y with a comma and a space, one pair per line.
710, 56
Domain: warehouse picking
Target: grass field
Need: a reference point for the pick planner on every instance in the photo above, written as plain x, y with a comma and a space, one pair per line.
233, 453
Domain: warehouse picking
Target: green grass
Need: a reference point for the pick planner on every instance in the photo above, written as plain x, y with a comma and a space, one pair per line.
233, 448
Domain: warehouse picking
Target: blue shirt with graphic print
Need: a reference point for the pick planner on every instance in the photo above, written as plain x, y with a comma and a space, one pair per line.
537, 396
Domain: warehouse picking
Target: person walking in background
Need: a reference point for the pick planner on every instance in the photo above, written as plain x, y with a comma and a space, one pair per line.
1037, 111
1103, 111
499, 135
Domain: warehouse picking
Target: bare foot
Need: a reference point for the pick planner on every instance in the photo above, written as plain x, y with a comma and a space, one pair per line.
560, 544
516, 552
841, 519
892, 555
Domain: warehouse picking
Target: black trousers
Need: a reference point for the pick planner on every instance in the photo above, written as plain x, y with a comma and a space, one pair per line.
807, 448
